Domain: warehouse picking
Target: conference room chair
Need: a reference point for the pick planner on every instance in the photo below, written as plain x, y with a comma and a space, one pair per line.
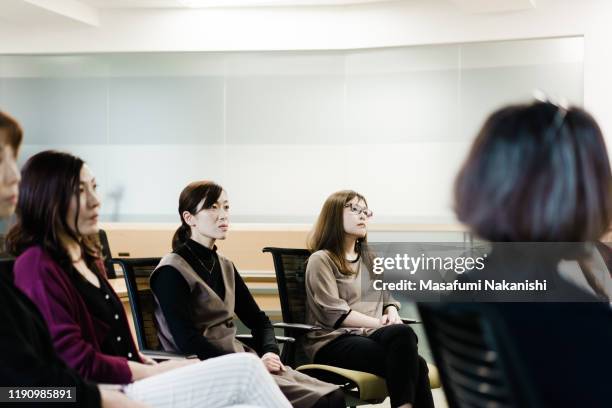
136, 272
475, 357
6, 269
106, 254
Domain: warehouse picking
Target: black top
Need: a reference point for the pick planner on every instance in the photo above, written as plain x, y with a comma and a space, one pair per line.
105, 307
517, 262
173, 295
27, 355
564, 346
564, 349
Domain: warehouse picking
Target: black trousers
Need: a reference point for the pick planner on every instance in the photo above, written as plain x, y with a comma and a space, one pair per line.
390, 352
334, 399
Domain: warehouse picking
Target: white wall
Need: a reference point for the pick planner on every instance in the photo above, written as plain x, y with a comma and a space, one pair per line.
280, 130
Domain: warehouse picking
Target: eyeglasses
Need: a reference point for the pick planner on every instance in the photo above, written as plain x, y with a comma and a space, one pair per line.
560, 104
357, 210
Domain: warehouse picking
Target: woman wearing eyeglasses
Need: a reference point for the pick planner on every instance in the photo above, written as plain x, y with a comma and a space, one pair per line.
198, 291
362, 329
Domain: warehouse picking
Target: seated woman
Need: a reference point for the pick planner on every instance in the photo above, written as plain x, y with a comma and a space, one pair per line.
27, 356
360, 331
539, 174
60, 270
198, 291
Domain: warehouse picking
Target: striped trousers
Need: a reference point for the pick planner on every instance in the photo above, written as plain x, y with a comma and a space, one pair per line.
234, 379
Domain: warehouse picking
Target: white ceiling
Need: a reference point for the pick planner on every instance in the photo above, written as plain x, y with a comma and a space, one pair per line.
494, 6
219, 3
132, 3
472, 6
87, 12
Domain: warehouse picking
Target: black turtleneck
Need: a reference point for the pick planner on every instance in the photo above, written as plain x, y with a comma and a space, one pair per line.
173, 294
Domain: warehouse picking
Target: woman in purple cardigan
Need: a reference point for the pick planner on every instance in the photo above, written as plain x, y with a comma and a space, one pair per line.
60, 270
27, 356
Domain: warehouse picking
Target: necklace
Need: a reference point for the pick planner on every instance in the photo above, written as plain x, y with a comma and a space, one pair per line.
354, 260
200, 261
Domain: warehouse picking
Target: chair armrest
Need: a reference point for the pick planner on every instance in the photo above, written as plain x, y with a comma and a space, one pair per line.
371, 387
159, 355
244, 336
285, 339
117, 261
247, 338
410, 321
296, 326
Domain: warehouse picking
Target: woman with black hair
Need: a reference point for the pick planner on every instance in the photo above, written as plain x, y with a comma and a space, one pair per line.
27, 356
198, 291
60, 270
537, 184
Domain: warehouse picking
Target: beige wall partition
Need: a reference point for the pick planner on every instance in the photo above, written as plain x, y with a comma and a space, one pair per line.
245, 241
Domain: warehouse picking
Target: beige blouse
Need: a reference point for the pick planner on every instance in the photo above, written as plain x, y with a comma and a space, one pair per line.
331, 295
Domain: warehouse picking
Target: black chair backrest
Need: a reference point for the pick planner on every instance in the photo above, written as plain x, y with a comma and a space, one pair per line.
290, 270
136, 272
106, 254
474, 355
6, 269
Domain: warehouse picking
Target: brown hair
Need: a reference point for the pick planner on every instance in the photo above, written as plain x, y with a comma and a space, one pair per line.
328, 232
12, 134
189, 200
49, 180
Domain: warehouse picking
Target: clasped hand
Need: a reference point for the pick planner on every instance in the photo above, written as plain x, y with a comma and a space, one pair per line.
391, 317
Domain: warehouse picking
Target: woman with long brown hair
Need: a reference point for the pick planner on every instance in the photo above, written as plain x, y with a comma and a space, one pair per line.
27, 356
198, 291
60, 270
362, 329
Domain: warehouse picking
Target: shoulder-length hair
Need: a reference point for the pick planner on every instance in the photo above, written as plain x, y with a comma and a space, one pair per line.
49, 181
189, 200
328, 232
536, 173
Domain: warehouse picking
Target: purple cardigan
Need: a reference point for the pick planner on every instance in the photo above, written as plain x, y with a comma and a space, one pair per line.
76, 333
